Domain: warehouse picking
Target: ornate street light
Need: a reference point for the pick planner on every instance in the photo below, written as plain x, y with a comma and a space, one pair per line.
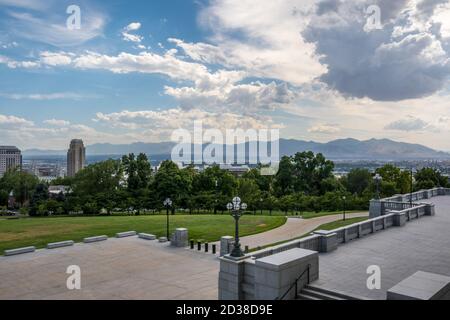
377, 178
167, 203
411, 188
344, 198
235, 208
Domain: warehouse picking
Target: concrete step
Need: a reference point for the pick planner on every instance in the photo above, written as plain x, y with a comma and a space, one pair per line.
304, 296
320, 295
335, 293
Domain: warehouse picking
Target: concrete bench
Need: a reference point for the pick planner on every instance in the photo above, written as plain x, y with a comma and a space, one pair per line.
13, 252
126, 234
147, 236
163, 239
61, 244
95, 239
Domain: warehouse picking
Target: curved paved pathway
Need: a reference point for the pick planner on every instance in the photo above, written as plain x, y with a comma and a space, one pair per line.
293, 228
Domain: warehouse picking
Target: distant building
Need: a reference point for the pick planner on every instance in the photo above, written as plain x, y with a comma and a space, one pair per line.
55, 191
10, 158
237, 171
76, 157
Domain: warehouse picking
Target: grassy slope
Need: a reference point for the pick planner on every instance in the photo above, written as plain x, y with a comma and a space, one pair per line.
40, 231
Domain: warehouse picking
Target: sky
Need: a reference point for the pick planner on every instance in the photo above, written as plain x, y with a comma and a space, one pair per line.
136, 71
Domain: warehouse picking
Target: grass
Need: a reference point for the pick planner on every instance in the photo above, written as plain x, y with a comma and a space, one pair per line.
327, 226
340, 223
40, 231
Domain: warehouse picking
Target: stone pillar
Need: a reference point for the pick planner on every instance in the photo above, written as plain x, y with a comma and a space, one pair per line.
327, 240
226, 243
231, 278
421, 286
400, 219
375, 209
180, 238
275, 274
430, 210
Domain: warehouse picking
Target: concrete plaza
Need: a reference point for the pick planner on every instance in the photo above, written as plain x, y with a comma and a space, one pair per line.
422, 244
128, 268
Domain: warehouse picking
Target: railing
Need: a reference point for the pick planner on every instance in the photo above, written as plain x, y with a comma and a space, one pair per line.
295, 284
310, 243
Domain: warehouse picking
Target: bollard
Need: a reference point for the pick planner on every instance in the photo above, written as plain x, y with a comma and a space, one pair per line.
199, 246
214, 249
206, 247
192, 244
247, 250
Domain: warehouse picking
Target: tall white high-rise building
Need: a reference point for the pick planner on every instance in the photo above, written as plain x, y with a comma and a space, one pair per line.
76, 157
10, 158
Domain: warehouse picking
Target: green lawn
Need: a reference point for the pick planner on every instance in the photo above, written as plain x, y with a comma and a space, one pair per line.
340, 223
40, 231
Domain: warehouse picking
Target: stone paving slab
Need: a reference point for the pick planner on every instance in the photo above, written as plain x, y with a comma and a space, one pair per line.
127, 268
421, 245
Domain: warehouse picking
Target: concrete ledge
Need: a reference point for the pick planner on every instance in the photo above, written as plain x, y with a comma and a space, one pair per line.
147, 236
95, 239
421, 286
61, 244
13, 252
126, 234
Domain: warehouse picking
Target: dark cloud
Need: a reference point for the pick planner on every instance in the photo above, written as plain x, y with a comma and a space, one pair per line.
400, 61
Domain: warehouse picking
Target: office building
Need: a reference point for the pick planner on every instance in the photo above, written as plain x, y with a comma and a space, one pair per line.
76, 157
10, 158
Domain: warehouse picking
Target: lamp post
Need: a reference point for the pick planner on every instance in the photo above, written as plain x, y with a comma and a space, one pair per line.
344, 198
235, 208
411, 188
167, 203
377, 179
216, 183
261, 205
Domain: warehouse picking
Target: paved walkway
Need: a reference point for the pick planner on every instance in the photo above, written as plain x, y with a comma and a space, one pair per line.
128, 268
421, 245
293, 228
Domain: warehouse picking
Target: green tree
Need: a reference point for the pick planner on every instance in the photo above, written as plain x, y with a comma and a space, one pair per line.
284, 179
427, 178
311, 171
40, 196
358, 180
20, 183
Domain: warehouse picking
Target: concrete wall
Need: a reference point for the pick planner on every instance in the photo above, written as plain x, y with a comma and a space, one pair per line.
267, 278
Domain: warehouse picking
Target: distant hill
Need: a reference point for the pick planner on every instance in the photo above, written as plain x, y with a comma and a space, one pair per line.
342, 149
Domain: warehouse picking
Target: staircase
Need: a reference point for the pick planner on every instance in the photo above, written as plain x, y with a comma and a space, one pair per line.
311, 292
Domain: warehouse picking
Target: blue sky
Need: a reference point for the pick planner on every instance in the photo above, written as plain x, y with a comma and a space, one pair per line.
138, 70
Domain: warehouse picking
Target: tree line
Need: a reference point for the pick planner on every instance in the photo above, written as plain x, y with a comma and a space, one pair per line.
304, 182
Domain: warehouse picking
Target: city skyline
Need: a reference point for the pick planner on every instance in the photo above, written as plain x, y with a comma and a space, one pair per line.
134, 71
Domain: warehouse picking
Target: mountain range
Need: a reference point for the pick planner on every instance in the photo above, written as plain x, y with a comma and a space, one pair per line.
342, 149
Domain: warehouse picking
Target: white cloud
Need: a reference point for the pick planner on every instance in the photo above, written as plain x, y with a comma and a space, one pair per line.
6, 121
410, 123
133, 26
324, 129
51, 29
263, 39
44, 96
162, 123
56, 58
127, 36
145, 62
57, 123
